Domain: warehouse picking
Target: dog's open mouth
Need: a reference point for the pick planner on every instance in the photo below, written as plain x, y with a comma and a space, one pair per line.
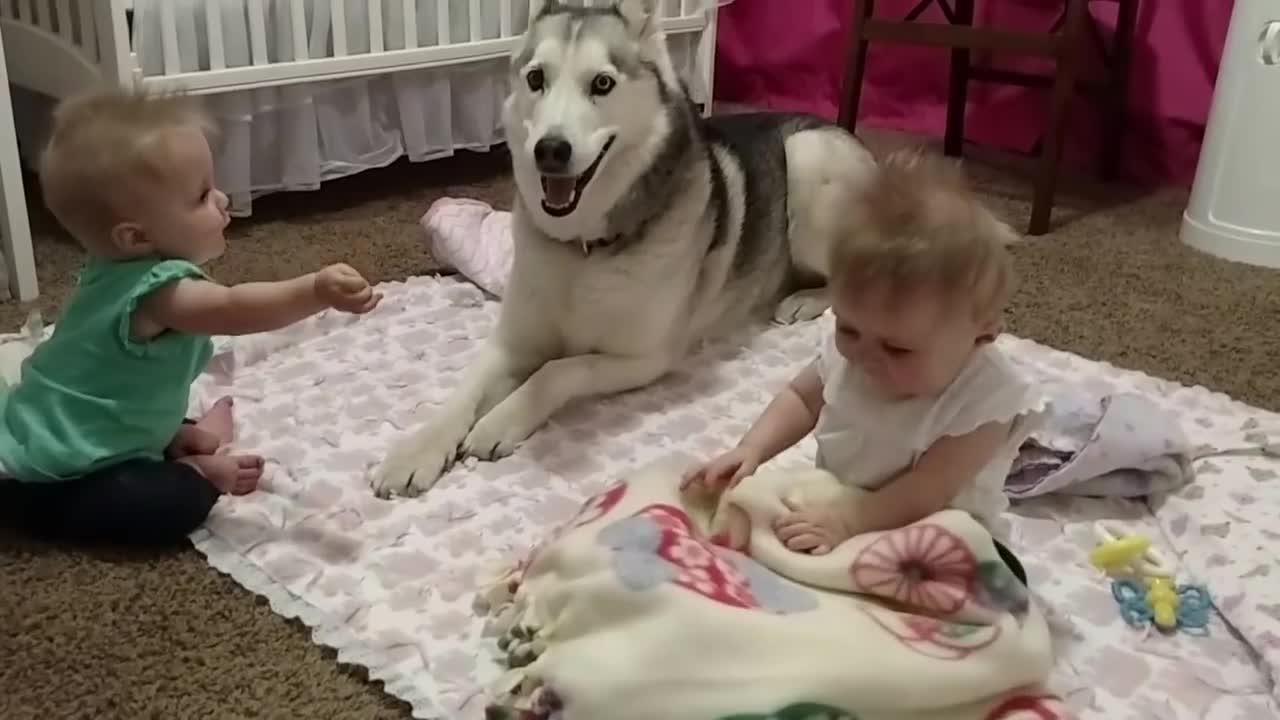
560, 193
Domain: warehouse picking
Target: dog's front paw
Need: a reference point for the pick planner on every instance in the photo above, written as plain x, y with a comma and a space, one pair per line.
413, 467
494, 437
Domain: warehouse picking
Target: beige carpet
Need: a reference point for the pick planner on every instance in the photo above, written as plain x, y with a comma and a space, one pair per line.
112, 635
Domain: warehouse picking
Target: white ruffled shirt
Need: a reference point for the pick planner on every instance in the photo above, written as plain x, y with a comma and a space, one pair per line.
865, 440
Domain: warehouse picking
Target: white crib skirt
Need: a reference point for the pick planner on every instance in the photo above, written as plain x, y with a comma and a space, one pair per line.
296, 137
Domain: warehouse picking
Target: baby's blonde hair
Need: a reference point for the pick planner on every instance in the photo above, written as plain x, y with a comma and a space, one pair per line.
103, 144
919, 226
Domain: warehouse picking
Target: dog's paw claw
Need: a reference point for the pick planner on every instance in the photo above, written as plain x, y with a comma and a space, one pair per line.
484, 448
491, 439
410, 473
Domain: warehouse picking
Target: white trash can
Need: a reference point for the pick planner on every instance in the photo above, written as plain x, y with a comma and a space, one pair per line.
1234, 208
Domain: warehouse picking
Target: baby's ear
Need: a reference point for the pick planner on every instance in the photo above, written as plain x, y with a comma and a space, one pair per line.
130, 239
988, 333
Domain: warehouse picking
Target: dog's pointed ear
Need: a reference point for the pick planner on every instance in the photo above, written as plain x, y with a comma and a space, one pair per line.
641, 16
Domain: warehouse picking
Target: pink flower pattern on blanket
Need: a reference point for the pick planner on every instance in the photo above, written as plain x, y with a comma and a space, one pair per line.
599, 505
921, 566
700, 569
658, 544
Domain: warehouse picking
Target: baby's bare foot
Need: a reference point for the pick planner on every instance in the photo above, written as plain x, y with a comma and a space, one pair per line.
232, 474
218, 421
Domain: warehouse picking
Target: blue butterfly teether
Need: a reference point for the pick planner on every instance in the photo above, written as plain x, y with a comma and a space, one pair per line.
1157, 603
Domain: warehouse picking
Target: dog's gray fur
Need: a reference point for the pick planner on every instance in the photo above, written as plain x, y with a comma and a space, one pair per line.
690, 229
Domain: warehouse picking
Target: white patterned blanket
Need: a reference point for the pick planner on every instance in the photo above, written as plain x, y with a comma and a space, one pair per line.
634, 612
390, 584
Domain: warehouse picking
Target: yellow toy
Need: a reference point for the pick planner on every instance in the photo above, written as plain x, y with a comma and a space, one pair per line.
1127, 555
1162, 598
1143, 584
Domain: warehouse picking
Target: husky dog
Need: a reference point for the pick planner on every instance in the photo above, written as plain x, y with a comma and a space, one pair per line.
640, 230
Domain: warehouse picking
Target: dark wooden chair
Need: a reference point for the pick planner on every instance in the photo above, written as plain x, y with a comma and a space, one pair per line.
1066, 43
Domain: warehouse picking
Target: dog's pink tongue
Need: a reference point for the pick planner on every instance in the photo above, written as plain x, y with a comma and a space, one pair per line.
559, 190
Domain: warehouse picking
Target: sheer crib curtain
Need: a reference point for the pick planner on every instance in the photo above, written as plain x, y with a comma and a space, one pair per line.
295, 137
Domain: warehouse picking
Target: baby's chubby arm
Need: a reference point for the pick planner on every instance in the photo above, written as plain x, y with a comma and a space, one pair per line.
207, 308
790, 416
936, 479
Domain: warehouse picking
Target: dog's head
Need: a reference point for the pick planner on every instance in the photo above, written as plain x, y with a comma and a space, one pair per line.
589, 91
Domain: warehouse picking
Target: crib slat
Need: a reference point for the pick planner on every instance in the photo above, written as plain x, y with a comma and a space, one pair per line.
169, 39
410, 24
24, 11
213, 28
473, 14
64, 21
188, 47
443, 30
319, 44
505, 21
88, 29
298, 25
375, 26
338, 16
41, 8
257, 32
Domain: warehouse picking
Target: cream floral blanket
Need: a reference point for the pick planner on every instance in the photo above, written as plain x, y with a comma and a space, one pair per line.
638, 609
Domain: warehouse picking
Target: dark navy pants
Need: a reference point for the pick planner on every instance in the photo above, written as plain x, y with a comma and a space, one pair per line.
138, 502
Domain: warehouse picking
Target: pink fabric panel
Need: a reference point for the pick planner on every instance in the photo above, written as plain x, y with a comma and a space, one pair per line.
789, 55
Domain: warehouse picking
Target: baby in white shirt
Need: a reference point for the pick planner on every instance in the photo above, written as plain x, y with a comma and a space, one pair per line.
909, 397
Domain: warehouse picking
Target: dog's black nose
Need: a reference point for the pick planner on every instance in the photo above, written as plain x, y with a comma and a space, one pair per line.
552, 155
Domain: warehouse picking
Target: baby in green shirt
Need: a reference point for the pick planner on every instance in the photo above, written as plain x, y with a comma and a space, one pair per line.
94, 444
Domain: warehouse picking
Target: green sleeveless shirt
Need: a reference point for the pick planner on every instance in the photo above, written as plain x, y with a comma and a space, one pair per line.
91, 396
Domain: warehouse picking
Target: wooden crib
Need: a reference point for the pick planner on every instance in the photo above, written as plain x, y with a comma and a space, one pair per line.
218, 47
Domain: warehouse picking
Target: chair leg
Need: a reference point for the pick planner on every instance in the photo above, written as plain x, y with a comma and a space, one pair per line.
1064, 84
855, 64
1116, 114
958, 86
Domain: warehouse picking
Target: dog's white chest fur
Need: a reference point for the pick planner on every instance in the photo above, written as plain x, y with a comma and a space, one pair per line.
604, 301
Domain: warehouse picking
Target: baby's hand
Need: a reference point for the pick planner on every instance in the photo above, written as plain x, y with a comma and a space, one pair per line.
724, 472
342, 288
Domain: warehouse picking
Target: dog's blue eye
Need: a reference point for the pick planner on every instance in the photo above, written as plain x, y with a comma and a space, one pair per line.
602, 84
535, 80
